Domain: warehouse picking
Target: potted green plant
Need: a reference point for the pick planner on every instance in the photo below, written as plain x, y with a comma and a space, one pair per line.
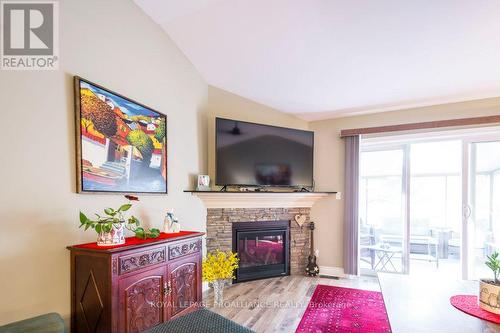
489, 290
110, 227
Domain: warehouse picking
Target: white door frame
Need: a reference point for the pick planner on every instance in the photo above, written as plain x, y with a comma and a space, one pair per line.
406, 207
468, 227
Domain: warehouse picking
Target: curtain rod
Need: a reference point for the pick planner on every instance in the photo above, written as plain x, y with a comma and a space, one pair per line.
422, 125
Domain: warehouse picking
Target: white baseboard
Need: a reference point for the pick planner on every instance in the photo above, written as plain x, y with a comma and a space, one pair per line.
331, 271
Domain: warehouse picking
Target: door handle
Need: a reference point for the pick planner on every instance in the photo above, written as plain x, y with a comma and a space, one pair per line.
467, 211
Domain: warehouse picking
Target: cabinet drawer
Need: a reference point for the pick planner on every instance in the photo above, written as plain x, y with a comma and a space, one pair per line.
139, 260
182, 249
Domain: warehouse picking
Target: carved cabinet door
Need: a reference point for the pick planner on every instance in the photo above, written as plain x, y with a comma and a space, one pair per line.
184, 276
142, 300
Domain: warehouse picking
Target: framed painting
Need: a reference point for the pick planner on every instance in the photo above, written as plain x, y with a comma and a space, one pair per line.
121, 144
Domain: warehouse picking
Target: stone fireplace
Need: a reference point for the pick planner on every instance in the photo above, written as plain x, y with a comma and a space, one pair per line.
228, 209
220, 230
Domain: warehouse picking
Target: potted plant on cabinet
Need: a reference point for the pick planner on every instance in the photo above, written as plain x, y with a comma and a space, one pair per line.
110, 228
489, 290
218, 268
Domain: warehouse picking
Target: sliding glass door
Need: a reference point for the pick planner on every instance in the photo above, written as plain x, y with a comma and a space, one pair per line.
435, 207
382, 211
430, 206
482, 204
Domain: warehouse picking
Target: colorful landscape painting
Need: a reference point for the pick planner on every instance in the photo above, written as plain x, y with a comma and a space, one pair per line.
121, 143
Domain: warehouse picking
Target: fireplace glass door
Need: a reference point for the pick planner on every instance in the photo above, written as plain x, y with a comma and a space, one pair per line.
262, 249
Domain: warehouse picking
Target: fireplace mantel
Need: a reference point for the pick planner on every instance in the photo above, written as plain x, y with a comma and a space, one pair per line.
213, 199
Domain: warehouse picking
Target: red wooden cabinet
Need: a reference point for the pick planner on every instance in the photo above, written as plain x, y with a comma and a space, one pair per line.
132, 288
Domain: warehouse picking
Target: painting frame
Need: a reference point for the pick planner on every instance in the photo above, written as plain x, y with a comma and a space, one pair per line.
82, 164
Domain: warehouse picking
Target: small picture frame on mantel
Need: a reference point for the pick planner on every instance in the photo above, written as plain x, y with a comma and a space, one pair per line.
203, 183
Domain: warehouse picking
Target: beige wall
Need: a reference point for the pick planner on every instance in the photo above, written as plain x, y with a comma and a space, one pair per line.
115, 44
227, 105
329, 163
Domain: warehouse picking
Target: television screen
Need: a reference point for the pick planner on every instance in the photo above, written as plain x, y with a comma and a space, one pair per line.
259, 155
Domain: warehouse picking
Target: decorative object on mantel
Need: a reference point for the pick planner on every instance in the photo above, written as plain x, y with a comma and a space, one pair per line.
312, 268
300, 219
218, 268
203, 183
489, 290
171, 224
111, 227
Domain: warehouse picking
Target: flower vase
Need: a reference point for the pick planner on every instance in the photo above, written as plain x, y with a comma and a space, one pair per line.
115, 237
218, 286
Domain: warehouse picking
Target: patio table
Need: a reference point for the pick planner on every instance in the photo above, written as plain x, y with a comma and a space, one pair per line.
385, 255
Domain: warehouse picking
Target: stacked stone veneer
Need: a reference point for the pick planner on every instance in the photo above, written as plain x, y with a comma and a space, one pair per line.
220, 232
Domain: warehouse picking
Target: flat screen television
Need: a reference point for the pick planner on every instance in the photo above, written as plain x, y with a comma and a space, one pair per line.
249, 154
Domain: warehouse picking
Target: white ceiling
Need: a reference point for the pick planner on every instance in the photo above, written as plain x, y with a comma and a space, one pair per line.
326, 58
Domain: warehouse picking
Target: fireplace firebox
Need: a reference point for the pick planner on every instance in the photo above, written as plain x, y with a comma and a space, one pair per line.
263, 249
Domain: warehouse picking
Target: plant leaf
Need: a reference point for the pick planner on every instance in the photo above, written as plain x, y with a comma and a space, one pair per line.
139, 233
83, 218
124, 207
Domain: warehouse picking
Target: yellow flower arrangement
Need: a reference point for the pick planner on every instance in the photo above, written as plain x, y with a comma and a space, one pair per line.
219, 265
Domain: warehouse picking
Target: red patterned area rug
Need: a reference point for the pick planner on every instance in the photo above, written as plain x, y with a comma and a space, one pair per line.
468, 304
342, 310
